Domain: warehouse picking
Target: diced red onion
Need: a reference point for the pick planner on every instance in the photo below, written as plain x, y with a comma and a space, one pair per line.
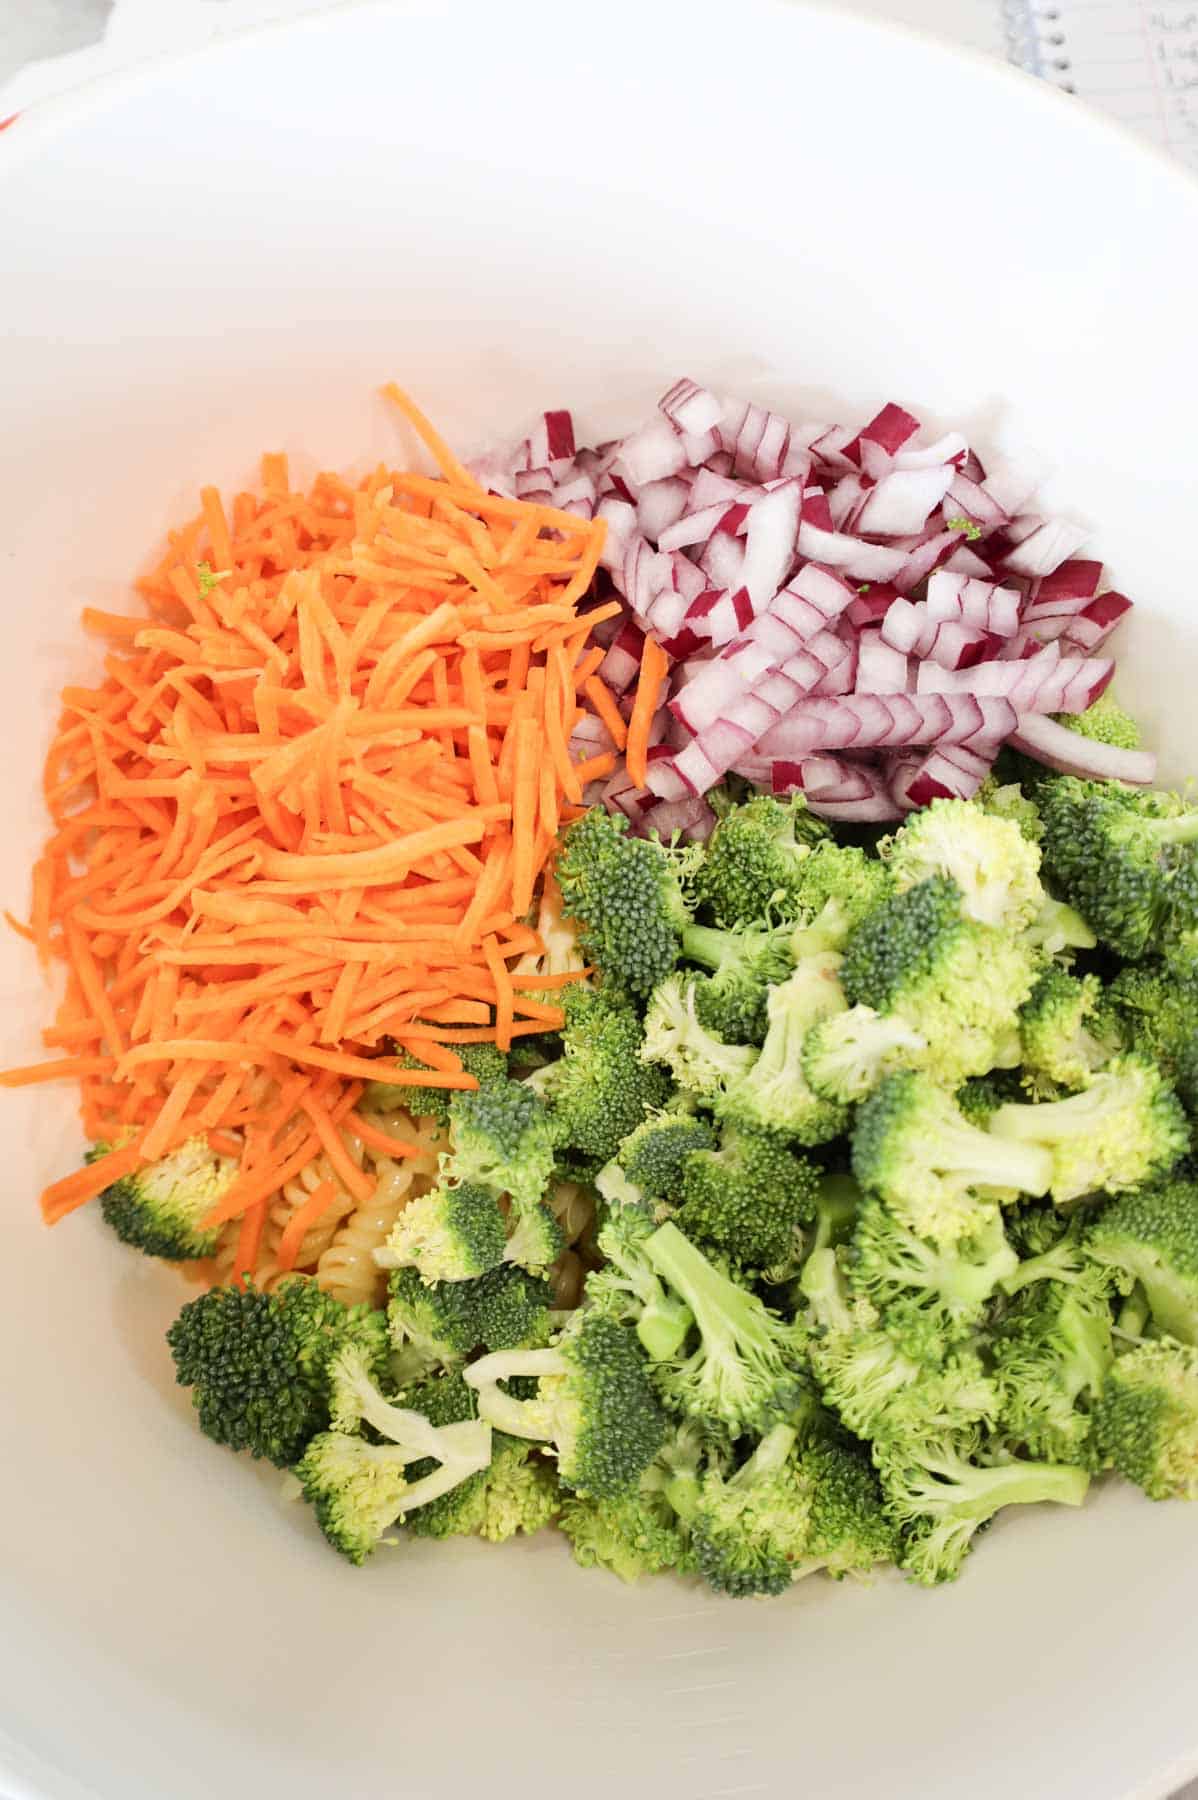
947, 777
1045, 549
880, 668
1095, 623
690, 408
979, 603
1040, 683
889, 430
904, 500
622, 661
651, 453
1070, 753
661, 504
770, 534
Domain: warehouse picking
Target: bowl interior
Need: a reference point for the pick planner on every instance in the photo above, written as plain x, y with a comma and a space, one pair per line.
506, 212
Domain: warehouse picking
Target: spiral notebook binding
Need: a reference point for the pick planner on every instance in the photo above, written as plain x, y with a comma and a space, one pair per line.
1036, 40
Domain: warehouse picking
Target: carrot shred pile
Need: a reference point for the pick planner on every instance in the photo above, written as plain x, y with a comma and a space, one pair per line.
306, 811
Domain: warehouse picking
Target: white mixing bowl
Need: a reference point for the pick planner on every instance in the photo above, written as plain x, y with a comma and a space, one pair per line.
506, 209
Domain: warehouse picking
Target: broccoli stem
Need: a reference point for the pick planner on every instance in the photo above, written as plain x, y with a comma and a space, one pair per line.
1050, 1122
704, 944
995, 1159
410, 1430
1058, 1264
722, 1310
499, 1409
822, 1285
980, 1493
662, 1328
1133, 1314
769, 1456
1181, 830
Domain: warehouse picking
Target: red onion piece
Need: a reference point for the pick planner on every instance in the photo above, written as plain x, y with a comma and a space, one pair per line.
1070, 753
889, 429
904, 500
690, 408
946, 777
1045, 549
1095, 623
880, 668
1072, 580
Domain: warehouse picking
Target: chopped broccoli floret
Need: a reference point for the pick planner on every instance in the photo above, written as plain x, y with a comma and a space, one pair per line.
942, 1497
744, 964
594, 1402
487, 1064
452, 1233
537, 1240
1051, 1353
516, 1492
1106, 722
981, 1096
788, 1512
653, 1156
1157, 1004
259, 1364
599, 1090
748, 1199
1059, 930
1126, 859
160, 1208
359, 1488
628, 1289
775, 1093
1145, 1423
1152, 1237
956, 983
913, 1146
700, 1063
640, 1533
438, 1324
512, 1309
841, 885
755, 858
1065, 1032
928, 1295
1007, 800
995, 867
501, 1138
845, 1056
744, 1372
1124, 1128
627, 897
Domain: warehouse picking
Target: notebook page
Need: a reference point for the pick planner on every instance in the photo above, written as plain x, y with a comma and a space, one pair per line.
1135, 59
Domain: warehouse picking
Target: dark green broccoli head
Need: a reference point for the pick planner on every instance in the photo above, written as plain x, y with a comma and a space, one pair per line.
654, 1155
959, 984
599, 1089
1145, 1423
259, 1364
1051, 1352
1151, 1236
634, 1535
1126, 859
160, 1208
749, 1199
840, 886
1156, 1004
626, 895
431, 1323
1066, 1032
511, 1308
754, 861
501, 1138
744, 964
452, 1233
982, 1095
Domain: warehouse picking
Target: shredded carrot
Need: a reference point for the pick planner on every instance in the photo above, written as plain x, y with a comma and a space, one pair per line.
607, 710
303, 814
654, 666
302, 1219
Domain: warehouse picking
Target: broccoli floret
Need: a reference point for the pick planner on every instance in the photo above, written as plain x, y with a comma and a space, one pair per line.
942, 1497
1126, 859
653, 1156
1065, 1032
627, 897
840, 886
755, 857
487, 1064
912, 1145
1157, 1004
259, 1364
595, 1403
537, 1240
1007, 800
359, 1488
438, 1324
846, 1055
1051, 1352
956, 983
452, 1233
928, 1295
1105, 722
516, 1492
599, 1090
836, 1202
749, 1199
1124, 1128
786, 1513
160, 1208
1145, 1423
775, 1093
699, 1062
995, 867
501, 1138
744, 964
512, 1309
639, 1533
627, 1288
744, 1372
981, 1096
1152, 1237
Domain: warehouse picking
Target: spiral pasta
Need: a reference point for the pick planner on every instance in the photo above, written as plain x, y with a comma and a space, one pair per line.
346, 1268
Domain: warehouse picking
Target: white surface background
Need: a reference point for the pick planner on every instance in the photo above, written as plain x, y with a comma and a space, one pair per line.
47, 46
